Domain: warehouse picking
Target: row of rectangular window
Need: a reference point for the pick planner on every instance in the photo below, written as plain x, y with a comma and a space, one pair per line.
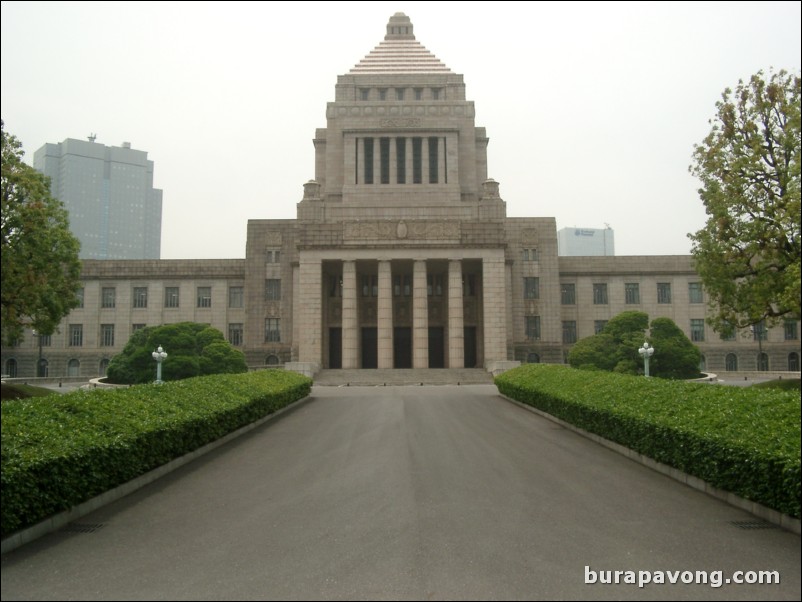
398, 93
531, 327
235, 333
759, 331
731, 363
236, 296
631, 293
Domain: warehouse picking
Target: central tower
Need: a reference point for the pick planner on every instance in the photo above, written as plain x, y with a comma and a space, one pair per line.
400, 134
398, 252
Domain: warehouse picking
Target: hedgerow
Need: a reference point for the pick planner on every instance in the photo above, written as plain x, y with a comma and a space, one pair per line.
62, 450
742, 440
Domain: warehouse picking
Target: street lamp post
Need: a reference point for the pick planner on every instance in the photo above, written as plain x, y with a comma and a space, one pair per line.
646, 352
159, 356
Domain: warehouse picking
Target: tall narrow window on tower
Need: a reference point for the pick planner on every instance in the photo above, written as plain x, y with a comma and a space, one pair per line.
384, 151
401, 160
417, 160
368, 144
433, 163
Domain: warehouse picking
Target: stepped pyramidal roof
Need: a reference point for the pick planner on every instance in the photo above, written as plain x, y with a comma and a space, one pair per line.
400, 52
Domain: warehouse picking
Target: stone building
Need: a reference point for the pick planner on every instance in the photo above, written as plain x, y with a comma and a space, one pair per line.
401, 255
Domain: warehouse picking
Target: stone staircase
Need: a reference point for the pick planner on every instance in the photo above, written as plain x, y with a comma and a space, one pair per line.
403, 377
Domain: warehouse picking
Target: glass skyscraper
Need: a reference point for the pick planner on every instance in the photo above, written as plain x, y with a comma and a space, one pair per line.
108, 190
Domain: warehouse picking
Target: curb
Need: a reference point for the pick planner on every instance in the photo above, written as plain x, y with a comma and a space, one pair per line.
57, 521
784, 521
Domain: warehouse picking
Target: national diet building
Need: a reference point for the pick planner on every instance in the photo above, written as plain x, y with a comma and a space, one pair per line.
401, 256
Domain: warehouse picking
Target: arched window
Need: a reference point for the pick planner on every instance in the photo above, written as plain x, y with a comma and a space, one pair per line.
272, 360
11, 368
73, 368
532, 358
43, 368
702, 363
104, 365
762, 362
731, 363
793, 362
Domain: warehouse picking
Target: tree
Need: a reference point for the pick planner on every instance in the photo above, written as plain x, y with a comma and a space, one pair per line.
594, 353
192, 350
748, 253
675, 356
615, 348
40, 266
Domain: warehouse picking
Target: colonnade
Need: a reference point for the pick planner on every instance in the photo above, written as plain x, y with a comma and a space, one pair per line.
401, 160
310, 306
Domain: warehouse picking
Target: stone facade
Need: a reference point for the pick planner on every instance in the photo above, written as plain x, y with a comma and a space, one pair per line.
401, 256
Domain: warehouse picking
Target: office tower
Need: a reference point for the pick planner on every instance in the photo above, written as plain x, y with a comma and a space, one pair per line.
108, 190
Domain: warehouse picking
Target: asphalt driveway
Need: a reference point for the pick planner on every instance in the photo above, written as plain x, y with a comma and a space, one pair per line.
408, 493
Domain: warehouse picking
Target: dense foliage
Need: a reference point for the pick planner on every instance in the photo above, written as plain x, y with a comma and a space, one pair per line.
62, 450
675, 356
748, 253
615, 348
40, 268
742, 440
192, 350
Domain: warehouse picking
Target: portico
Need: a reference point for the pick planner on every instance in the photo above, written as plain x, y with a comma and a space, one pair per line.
401, 308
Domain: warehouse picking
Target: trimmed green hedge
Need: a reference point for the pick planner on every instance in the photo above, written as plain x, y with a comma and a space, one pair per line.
62, 450
742, 440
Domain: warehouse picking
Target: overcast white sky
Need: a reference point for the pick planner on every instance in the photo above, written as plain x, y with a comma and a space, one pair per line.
592, 109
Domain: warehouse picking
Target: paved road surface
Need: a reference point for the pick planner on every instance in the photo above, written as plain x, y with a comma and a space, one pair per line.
404, 493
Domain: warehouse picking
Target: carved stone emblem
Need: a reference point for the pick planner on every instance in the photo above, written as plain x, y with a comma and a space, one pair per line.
382, 231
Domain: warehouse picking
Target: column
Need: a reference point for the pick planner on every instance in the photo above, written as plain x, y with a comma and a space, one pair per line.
441, 160
410, 166
385, 315
296, 313
310, 292
377, 163
495, 307
450, 142
349, 319
393, 163
456, 324
420, 316
424, 154
350, 162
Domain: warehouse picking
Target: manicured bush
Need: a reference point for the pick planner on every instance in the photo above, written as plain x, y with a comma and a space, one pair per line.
675, 356
789, 384
62, 450
742, 440
193, 349
615, 348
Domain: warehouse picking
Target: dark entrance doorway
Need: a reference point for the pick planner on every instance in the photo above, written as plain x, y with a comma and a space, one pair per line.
370, 347
335, 348
402, 348
436, 347
470, 346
